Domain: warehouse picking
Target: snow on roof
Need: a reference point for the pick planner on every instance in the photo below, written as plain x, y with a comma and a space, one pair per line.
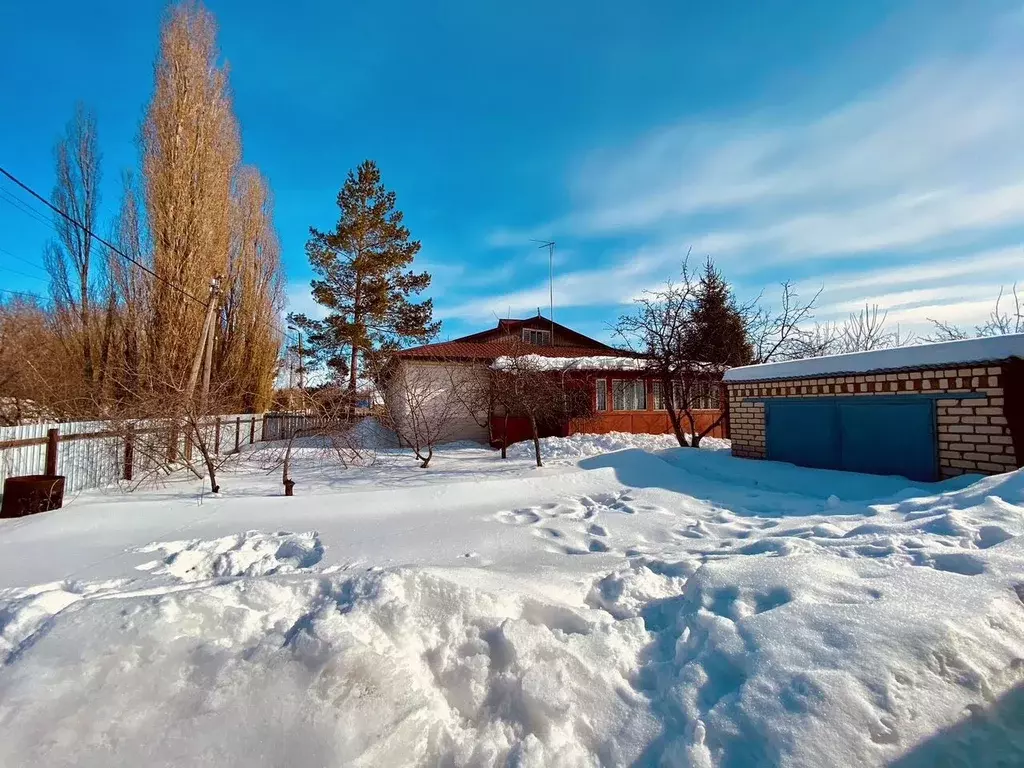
588, 363
920, 356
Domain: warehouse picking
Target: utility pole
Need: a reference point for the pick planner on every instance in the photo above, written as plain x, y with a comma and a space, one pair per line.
197, 361
301, 369
204, 397
550, 245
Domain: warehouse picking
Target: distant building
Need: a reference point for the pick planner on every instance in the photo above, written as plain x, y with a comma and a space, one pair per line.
623, 396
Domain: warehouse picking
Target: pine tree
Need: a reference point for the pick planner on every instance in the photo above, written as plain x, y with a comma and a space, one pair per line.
717, 331
363, 279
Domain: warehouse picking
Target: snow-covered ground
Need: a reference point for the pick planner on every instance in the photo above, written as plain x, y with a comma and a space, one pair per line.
652, 606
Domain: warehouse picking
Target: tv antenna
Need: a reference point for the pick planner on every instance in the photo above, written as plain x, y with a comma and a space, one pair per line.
550, 245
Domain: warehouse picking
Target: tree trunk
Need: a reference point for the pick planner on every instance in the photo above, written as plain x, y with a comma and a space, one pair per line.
673, 414
204, 448
694, 437
698, 437
353, 361
353, 370
504, 436
425, 459
536, 439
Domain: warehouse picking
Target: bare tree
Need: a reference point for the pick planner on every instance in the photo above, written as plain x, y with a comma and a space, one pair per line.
190, 152
78, 281
30, 375
862, 331
1001, 321
777, 332
525, 385
691, 330
249, 344
421, 405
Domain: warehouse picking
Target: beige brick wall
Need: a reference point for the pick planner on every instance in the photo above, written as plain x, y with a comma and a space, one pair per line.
972, 432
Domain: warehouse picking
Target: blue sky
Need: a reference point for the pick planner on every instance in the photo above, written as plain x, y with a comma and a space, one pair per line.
873, 148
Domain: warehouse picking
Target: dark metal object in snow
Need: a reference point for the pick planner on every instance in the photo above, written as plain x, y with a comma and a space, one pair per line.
29, 494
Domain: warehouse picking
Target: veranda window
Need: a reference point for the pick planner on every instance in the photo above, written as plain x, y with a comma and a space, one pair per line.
658, 395
702, 395
706, 395
629, 395
602, 394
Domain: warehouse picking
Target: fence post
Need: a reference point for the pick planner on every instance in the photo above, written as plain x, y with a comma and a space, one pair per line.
216, 437
52, 441
238, 433
129, 453
172, 444
263, 427
723, 403
252, 429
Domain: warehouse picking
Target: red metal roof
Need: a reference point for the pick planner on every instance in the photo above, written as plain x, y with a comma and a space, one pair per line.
469, 350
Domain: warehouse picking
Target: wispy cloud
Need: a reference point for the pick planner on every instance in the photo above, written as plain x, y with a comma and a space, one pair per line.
922, 172
299, 300
613, 285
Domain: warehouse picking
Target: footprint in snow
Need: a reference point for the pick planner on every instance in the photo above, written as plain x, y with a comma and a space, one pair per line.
548, 533
597, 530
517, 517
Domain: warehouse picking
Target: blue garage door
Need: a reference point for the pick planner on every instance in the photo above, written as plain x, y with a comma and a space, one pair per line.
885, 437
889, 438
803, 432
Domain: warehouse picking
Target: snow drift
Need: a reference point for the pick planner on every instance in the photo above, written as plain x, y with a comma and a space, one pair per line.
679, 609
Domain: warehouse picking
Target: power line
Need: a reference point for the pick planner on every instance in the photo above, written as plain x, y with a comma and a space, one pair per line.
32, 213
96, 237
23, 274
109, 245
23, 260
26, 294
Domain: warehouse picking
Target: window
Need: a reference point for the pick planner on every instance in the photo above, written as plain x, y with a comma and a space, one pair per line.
602, 394
537, 337
709, 394
699, 395
629, 395
705, 395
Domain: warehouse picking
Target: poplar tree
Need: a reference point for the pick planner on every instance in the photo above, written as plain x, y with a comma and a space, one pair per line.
190, 153
363, 279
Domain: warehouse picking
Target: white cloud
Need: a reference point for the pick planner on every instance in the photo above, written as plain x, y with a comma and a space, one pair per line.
921, 171
298, 299
614, 285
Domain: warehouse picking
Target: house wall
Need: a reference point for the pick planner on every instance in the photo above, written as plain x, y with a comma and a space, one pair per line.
647, 421
973, 432
435, 399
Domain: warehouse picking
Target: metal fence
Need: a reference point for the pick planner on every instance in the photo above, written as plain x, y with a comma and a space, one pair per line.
91, 455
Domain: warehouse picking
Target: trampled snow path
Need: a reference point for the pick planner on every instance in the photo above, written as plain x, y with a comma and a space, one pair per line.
680, 608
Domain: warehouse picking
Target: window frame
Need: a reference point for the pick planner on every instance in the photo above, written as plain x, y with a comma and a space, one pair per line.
631, 392
707, 396
601, 393
543, 335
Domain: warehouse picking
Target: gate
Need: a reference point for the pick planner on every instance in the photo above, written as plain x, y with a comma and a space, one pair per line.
876, 435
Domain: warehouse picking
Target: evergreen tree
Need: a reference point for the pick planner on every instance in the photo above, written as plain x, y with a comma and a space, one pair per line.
363, 279
716, 332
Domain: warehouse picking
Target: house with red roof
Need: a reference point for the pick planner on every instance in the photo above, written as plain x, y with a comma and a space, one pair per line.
623, 395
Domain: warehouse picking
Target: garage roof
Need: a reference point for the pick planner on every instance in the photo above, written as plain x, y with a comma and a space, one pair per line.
968, 351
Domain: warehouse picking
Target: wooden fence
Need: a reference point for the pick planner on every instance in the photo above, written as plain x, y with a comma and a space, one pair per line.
90, 455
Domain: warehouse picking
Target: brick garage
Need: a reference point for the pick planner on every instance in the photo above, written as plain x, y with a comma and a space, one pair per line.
959, 406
